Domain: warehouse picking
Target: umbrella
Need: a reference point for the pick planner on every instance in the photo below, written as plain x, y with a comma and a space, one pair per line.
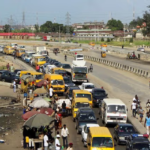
39, 103
39, 91
38, 120
41, 83
29, 114
47, 111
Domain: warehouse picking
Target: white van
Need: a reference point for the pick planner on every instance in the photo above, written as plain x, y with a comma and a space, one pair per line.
79, 57
113, 111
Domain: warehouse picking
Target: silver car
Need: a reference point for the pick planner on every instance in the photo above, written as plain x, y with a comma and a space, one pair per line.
141, 49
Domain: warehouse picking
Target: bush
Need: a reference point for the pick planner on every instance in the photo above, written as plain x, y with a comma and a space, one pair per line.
108, 40
131, 40
102, 39
46, 43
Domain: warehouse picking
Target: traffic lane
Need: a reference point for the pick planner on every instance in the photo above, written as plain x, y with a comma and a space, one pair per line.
129, 62
76, 139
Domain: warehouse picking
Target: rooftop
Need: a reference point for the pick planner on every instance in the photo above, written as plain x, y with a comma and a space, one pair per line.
113, 101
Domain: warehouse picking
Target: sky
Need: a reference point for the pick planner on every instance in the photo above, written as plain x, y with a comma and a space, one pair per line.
40, 11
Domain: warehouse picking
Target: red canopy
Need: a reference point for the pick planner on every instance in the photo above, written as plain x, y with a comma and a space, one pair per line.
47, 111
29, 114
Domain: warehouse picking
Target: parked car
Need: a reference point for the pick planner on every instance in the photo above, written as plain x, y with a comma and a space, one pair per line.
98, 95
87, 86
70, 90
67, 67
7, 76
84, 116
85, 131
68, 82
141, 49
57, 64
121, 131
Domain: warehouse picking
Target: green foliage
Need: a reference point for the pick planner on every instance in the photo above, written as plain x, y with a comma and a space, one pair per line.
108, 40
102, 39
37, 28
131, 40
7, 28
46, 43
54, 27
136, 22
115, 24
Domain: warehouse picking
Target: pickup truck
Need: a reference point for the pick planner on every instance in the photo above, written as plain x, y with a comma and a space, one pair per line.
87, 86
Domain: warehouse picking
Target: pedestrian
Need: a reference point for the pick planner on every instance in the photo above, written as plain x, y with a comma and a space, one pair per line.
122, 46
54, 106
31, 137
12, 68
147, 123
8, 67
14, 86
70, 146
136, 98
37, 68
133, 108
141, 113
63, 107
65, 134
147, 105
45, 141
57, 143
57, 118
51, 92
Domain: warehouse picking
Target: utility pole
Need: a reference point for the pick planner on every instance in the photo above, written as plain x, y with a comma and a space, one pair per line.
133, 14
37, 19
23, 19
68, 21
59, 33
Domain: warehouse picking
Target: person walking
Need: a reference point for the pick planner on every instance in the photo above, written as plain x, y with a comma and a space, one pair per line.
57, 143
63, 107
45, 141
65, 134
8, 67
51, 92
37, 68
133, 108
12, 68
136, 98
14, 86
141, 113
54, 106
57, 119
70, 146
148, 105
147, 123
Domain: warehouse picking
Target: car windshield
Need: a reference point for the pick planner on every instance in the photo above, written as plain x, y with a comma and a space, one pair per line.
57, 82
79, 56
66, 66
78, 105
126, 129
141, 146
89, 86
84, 96
116, 108
41, 59
87, 116
80, 70
102, 142
67, 80
30, 54
39, 77
21, 51
99, 93
43, 52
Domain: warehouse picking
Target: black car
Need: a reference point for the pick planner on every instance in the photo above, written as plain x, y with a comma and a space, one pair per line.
61, 72
7, 76
121, 131
84, 115
98, 95
66, 66
68, 82
57, 64
137, 142
70, 90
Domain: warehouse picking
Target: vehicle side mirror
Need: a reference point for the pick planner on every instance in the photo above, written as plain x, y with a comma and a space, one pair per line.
89, 144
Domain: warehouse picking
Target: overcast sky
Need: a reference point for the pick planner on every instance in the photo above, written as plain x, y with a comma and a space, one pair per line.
80, 10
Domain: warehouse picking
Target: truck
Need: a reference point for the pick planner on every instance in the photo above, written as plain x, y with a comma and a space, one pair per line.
46, 38
40, 50
79, 71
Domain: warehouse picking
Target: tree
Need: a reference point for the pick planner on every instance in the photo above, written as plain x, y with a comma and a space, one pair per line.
37, 28
7, 28
136, 22
108, 40
102, 39
115, 24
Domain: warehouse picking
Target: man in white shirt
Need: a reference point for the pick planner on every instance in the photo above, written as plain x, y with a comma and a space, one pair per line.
14, 86
65, 134
57, 143
136, 98
45, 141
133, 108
51, 92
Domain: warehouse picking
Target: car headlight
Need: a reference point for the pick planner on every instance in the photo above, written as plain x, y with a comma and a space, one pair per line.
121, 138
